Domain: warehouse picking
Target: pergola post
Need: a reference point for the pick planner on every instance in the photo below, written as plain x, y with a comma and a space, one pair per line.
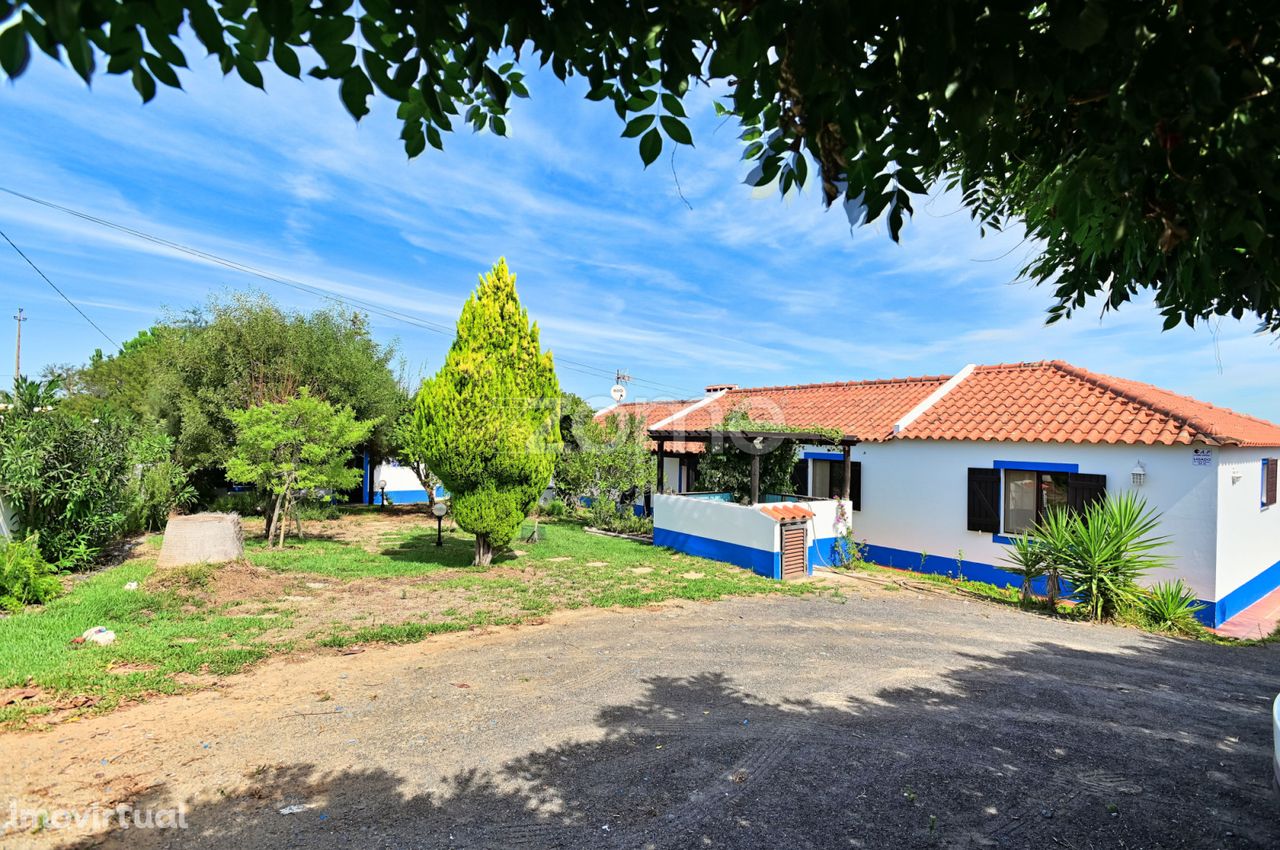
755, 478
662, 464
848, 468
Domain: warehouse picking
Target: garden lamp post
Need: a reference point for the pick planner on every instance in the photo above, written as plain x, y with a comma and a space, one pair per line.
382, 485
439, 509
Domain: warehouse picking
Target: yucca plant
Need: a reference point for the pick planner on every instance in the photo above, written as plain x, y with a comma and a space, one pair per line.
1171, 606
1109, 547
1028, 558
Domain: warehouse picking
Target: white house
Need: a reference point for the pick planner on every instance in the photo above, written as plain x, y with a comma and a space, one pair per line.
941, 470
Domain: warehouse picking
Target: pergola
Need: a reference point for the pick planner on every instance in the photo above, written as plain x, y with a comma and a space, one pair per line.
755, 443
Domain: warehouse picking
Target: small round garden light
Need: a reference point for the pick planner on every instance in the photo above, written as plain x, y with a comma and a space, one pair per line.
382, 485
439, 509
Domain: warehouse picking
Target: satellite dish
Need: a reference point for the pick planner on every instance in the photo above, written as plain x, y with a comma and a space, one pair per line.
619, 392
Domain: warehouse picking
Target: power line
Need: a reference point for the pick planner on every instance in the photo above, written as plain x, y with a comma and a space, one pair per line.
73, 304
434, 327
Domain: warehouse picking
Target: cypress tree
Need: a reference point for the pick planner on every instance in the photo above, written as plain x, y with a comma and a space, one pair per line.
488, 423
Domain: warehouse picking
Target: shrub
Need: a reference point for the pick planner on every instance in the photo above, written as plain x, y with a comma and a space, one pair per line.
607, 516
25, 577
245, 503
68, 480
557, 509
1028, 557
160, 486
318, 509
1170, 606
1103, 551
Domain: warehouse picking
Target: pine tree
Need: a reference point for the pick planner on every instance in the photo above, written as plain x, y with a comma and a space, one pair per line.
488, 423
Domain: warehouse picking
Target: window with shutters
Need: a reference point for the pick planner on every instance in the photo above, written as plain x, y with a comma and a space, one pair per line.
1270, 467
828, 480
1011, 501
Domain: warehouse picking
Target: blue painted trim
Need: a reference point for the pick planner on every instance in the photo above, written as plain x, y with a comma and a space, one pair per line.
402, 497
1262, 487
366, 483
1241, 598
1035, 466
823, 552
1002, 540
822, 456
759, 561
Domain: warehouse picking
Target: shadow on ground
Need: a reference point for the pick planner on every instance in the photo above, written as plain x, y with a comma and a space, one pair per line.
1047, 747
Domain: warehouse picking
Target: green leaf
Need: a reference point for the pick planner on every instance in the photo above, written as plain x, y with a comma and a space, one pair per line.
15, 53
80, 53
650, 146
636, 126
355, 91
414, 141
1084, 31
249, 71
145, 86
162, 72
672, 104
676, 131
287, 60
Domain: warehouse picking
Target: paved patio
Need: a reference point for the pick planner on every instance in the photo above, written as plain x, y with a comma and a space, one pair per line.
1258, 620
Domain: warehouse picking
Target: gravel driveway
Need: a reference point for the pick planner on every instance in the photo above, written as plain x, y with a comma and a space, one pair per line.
881, 720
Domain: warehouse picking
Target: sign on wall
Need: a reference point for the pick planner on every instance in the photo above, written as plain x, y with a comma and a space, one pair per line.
1202, 457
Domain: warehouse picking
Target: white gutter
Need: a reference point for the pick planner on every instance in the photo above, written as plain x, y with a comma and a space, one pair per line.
934, 397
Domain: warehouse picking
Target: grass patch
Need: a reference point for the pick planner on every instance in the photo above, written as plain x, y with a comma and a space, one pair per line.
172, 626
158, 635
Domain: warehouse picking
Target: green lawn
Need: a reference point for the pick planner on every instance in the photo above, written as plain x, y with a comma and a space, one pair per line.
163, 632
159, 634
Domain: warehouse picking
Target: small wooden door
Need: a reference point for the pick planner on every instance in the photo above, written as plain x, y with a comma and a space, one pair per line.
795, 554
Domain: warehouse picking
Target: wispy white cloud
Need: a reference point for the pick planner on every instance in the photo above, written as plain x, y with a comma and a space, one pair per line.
611, 260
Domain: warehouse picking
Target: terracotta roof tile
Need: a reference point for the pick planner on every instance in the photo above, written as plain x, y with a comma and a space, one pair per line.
1052, 401
786, 512
654, 412
867, 410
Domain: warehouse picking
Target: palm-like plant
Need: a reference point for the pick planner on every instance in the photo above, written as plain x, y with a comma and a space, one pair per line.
1028, 558
1171, 607
1104, 551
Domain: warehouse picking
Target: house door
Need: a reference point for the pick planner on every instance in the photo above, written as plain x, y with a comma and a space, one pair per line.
795, 552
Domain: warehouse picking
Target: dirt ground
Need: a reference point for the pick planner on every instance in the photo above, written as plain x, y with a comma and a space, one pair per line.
886, 719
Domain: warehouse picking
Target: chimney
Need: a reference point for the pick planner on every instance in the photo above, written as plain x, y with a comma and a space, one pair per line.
720, 388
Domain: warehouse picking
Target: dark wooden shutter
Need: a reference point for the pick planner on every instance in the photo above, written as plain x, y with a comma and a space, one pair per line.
1270, 481
1084, 489
855, 484
984, 500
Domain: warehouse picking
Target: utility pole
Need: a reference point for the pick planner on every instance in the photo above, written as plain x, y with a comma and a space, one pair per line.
17, 357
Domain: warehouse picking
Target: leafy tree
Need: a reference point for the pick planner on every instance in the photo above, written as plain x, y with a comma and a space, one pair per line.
488, 423
1135, 139
187, 372
605, 460
289, 448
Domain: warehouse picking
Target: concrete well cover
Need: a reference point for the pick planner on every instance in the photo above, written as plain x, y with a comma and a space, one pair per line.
202, 539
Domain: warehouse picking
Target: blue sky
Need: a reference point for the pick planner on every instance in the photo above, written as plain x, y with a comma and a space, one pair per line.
620, 273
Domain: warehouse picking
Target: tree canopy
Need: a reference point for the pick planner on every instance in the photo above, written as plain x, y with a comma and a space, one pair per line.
1135, 140
488, 423
186, 373
287, 448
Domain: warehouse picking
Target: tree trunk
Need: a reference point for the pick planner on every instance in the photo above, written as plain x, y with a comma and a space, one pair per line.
283, 522
1052, 588
273, 519
484, 551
